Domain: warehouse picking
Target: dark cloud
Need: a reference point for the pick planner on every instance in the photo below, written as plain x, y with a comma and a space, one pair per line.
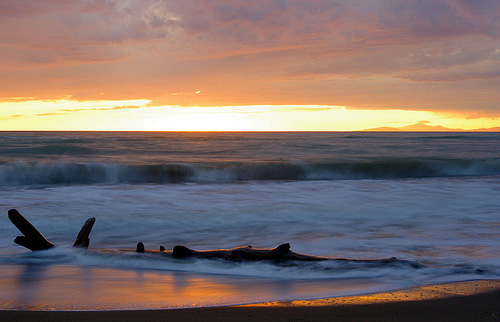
48, 32
337, 23
61, 26
449, 61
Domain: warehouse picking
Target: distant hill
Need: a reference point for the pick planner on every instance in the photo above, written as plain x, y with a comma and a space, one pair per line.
491, 129
423, 127
384, 129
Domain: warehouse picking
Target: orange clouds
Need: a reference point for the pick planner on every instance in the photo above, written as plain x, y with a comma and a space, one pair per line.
429, 55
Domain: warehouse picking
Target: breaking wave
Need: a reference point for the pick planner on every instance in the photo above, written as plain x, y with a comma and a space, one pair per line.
17, 173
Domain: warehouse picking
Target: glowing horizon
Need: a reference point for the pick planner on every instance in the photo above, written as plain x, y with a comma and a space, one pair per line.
139, 115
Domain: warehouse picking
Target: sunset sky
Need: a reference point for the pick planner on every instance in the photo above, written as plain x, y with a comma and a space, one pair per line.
248, 65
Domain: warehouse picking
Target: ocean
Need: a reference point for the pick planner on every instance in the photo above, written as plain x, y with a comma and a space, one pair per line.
431, 198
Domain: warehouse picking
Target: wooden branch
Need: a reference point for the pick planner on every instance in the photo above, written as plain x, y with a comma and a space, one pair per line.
140, 247
280, 254
83, 240
32, 238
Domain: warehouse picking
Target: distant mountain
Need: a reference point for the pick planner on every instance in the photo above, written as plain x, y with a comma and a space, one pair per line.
423, 127
491, 129
383, 129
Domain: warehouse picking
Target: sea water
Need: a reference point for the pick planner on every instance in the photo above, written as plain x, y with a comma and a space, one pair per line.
431, 198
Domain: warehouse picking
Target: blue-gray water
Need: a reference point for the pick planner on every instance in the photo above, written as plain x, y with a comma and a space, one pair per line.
426, 197
108, 157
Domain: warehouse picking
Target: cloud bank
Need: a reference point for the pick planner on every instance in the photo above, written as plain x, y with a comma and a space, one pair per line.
434, 55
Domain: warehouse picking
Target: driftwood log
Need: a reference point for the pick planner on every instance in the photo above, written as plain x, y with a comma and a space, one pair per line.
82, 239
280, 254
34, 240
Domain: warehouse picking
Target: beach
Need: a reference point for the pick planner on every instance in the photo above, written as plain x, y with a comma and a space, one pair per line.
464, 301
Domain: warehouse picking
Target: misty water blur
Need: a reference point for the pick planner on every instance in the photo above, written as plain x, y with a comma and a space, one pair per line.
236, 189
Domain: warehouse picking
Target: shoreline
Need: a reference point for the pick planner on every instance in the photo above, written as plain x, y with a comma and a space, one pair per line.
461, 301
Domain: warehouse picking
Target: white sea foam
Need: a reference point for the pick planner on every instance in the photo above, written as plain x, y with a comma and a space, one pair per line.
449, 225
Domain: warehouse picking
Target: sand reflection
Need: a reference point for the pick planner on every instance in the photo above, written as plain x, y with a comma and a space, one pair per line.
63, 287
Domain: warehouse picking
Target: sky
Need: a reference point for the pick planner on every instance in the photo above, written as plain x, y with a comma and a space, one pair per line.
248, 65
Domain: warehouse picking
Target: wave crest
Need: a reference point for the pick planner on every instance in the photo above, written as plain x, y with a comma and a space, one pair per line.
99, 173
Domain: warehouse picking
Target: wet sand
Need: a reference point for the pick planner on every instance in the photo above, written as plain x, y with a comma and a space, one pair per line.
463, 301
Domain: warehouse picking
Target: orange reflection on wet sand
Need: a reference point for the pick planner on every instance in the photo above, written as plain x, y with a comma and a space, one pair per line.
413, 294
60, 287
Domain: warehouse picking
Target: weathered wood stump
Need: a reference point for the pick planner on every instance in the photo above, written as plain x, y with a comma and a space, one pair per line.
32, 238
83, 240
140, 248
